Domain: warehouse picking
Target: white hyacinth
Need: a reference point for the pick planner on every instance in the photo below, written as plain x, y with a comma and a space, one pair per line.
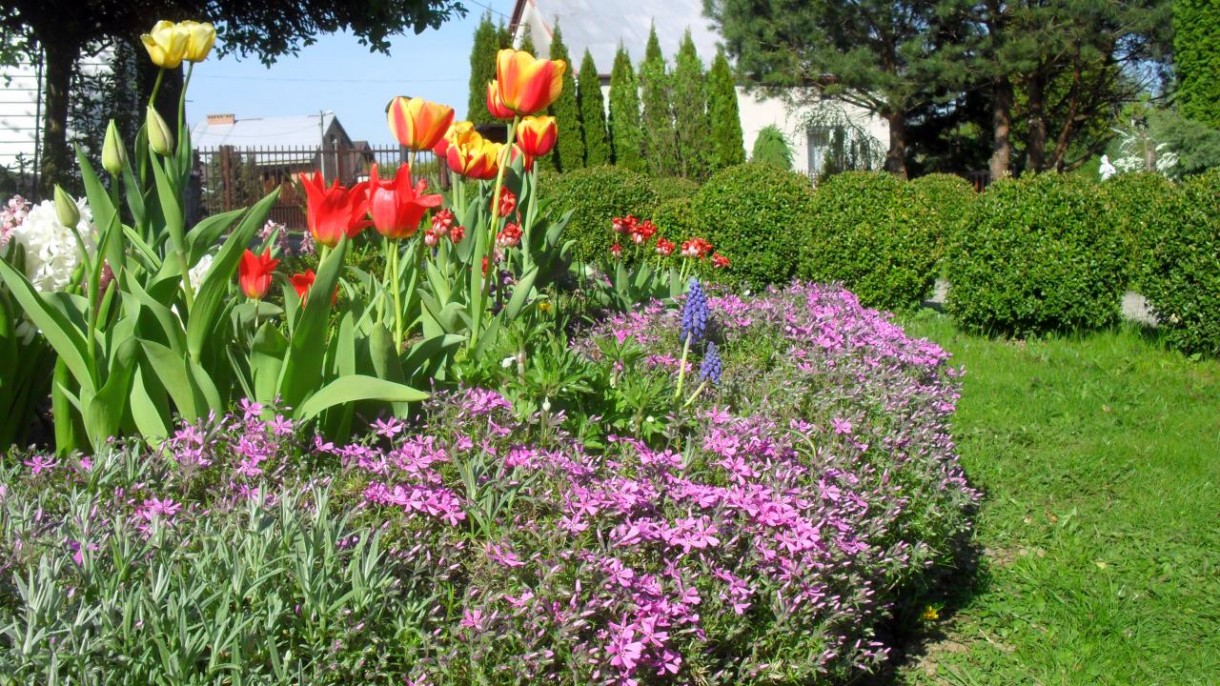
51, 251
200, 271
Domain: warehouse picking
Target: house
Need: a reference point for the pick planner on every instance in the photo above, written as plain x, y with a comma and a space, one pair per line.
279, 147
601, 26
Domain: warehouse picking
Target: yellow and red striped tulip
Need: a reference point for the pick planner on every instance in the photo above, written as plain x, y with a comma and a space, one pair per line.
527, 84
495, 105
537, 135
473, 156
456, 129
418, 124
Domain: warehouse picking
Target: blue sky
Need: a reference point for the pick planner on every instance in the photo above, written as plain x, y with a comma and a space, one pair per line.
340, 75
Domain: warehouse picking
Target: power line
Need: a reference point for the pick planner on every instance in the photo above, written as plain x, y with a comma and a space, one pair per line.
489, 8
293, 79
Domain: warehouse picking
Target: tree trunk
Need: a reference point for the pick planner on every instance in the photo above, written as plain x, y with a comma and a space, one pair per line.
60, 61
1000, 164
1035, 159
896, 156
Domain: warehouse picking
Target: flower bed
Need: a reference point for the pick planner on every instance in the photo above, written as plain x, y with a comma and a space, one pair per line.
766, 536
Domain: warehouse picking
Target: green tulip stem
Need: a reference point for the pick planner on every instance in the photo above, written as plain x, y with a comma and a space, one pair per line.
186, 82
682, 366
152, 98
495, 201
397, 288
385, 281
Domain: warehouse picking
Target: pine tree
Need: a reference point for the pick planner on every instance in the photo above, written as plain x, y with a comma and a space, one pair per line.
657, 122
624, 124
728, 146
527, 42
504, 37
592, 113
569, 152
1196, 43
689, 102
482, 70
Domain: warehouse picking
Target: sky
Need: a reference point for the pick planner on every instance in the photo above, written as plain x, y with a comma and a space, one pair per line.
338, 74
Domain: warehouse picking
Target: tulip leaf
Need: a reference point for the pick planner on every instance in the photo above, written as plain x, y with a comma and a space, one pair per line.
303, 365
344, 357
67, 340
215, 288
171, 210
266, 360
149, 406
427, 358
521, 293
487, 337
171, 327
437, 282
135, 197
105, 214
103, 412
205, 234
356, 388
171, 369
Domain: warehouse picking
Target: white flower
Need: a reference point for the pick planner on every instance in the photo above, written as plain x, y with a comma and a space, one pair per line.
200, 271
51, 251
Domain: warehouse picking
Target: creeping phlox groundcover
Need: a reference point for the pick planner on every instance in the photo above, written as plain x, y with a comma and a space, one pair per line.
795, 512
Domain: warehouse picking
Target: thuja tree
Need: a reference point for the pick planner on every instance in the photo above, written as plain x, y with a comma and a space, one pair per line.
660, 139
1196, 58
625, 135
569, 152
689, 100
728, 146
482, 70
527, 41
592, 113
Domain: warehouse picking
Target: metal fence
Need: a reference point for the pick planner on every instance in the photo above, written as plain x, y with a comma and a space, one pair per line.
230, 178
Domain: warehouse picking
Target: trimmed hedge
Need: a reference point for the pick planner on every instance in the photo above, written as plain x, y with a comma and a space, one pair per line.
597, 195
676, 219
1143, 208
754, 214
670, 187
1182, 277
1038, 256
876, 234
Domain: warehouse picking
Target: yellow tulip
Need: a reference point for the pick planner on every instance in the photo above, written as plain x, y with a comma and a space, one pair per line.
199, 41
166, 44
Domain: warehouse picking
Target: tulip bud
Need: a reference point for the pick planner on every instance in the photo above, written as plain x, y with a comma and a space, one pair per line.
113, 155
160, 138
66, 209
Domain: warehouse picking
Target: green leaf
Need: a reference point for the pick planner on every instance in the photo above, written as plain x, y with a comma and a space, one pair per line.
207, 232
68, 341
104, 411
521, 293
149, 406
172, 371
171, 208
105, 214
355, 388
215, 288
266, 360
303, 366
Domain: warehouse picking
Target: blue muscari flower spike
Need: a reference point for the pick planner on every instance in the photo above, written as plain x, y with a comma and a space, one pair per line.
711, 368
694, 315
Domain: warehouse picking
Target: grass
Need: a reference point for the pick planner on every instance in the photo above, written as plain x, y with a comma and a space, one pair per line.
1100, 529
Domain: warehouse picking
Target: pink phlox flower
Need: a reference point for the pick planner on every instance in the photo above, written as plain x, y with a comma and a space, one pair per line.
41, 463
623, 649
388, 428
841, 426
472, 619
250, 409
520, 601
502, 556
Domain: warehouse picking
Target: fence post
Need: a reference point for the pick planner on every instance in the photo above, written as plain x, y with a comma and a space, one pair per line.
228, 181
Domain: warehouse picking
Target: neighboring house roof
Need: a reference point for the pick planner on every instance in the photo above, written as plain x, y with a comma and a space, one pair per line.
258, 132
600, 26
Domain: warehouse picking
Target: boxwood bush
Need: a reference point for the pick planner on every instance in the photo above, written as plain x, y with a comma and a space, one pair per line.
875, 234
1143, 207
1038, 256
945, 199
671, 187
676, 219
596, 195
754, 213
1182, 277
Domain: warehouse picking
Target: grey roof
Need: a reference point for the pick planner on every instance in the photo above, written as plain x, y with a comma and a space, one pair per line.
600, 26
291, 132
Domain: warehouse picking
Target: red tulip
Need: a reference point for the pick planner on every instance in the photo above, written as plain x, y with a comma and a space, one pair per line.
303, 282
335, 211
495, 105
254, 273
417, 123
665, 247
508, 202
526, 83
720, 261
396, 206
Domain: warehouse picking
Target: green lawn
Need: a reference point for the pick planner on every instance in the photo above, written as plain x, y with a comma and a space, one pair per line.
1100, 528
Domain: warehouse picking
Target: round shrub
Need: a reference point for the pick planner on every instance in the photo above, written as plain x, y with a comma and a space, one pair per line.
876, 235
946, 198
1038, 256
596, 195
753, 214
1182, 278
1142, 207
670, 187
676, 219
771, 147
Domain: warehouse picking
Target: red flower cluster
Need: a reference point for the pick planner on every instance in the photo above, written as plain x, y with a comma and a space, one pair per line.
508, 202
510, 237
640, 231
444, 224
696, 247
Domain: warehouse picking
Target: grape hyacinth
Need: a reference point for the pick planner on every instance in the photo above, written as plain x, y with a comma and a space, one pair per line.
694, 315
711, 368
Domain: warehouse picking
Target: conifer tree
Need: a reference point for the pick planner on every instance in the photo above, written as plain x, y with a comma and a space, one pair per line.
624, 124
689, 102
728, 146
569, 152
657, 122
1196, 43
482, 70
592, 113
503, 36
527, 42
